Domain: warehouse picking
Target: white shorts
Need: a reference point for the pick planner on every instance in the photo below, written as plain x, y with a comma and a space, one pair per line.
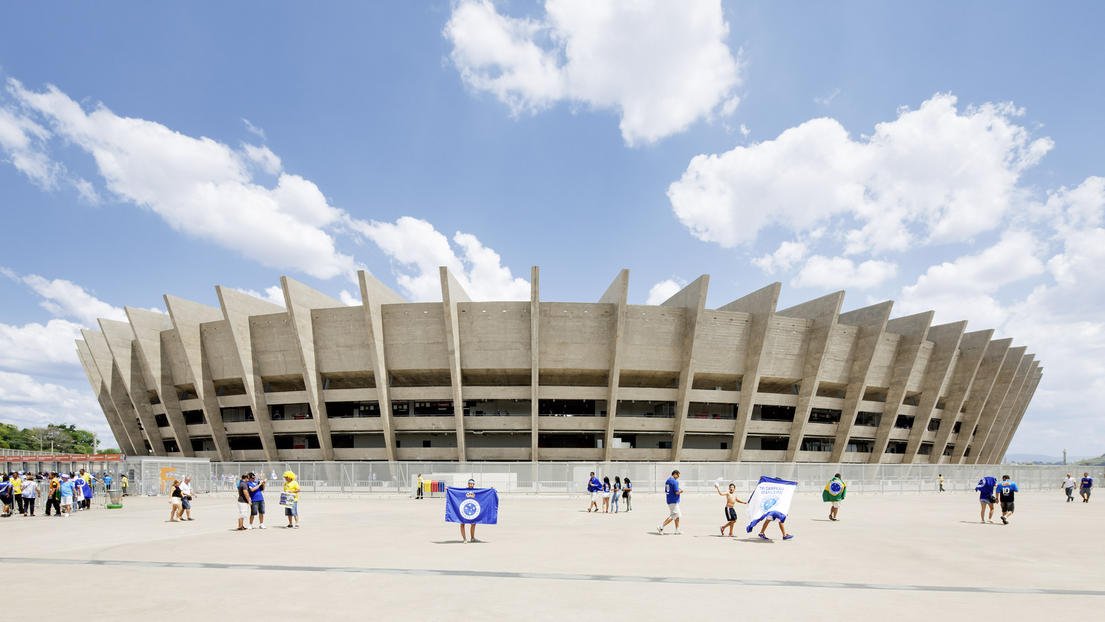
67, 500
834, 504
595, 496
605, 495
175, 501
243, 510
673, 510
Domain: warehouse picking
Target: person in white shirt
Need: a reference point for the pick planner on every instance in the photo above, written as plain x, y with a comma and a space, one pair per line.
186, 498
1068, 486
30, 493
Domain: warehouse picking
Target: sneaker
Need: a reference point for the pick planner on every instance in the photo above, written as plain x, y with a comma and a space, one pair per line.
1004, 521
660, 530
242, 529
789, 536
250, 528
677, 532
763, 537
262, 526
297, 525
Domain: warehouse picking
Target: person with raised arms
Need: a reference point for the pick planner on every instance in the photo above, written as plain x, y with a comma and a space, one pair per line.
730, 507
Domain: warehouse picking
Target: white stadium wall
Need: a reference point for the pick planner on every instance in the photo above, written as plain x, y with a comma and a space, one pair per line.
460, 380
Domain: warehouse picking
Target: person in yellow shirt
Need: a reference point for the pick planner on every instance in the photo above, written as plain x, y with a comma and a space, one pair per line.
421, 485
17, 489
290, 499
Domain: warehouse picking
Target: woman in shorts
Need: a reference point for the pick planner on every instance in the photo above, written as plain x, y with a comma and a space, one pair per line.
176, 502
627, 492
605, 495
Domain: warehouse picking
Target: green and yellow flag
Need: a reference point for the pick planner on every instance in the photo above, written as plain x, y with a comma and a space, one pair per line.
834, 490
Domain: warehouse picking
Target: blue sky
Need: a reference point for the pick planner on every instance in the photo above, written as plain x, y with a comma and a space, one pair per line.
943, 156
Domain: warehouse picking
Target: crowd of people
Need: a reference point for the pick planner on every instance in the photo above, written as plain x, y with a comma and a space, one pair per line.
251, 501
610, 494
62, 494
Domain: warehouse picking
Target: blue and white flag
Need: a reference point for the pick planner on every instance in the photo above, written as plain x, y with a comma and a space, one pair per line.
770, 500
472, 505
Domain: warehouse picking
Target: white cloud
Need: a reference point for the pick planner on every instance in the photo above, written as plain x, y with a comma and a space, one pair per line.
64, 298
783, 258
199, 186
264, 158
418, 249
28, 402
35, 347
23, 140
273, 294
253, 129
87, 191
349, 299
663, 290
660, 64
934, 174
843, 273
827, 100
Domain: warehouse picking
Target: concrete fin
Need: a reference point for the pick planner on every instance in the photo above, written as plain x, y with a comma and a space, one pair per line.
762, 300
128, 363
760, 307
823, 314
451, 294
972, 347
374, 294
100, 389
824, 306
618, 290
535, 357
693, 299
300, 300
981, 387
945, 340
617, 295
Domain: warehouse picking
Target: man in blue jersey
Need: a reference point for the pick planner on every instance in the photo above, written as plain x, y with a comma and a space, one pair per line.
594, 487
1006, 491
1086, 487
672, 491
986, 496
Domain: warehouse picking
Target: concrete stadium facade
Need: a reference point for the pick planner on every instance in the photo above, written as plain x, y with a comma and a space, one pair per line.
458, 380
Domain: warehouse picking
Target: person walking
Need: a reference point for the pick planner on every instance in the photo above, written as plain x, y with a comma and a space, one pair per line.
124, 483
243, 503
78, 493
730, 510
66, 495
257, 500
418, 492
834, 494
986, 497
616, 493
53, 494
88, 493
594, 487
290, 499
672, 493
1068, 487
186, 498
17, 492
627, 494
176, 502
30, 493
940, 480
1007, 489
6, 495
1086, 488
782, 528
605, 495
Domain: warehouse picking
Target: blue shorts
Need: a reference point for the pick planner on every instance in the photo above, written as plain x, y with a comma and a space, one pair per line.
257, 507
292, 510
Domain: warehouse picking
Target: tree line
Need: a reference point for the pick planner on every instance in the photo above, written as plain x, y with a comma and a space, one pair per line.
59, 438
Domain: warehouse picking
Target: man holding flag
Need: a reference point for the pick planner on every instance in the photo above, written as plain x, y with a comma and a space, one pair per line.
469, 506
771, 501
834, 494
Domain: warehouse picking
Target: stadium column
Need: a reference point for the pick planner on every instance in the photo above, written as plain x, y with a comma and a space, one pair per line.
187, 316
100, 388
616, 295
300, 300
1014, 360
823, 314
1000, 431
147, 327
128, 419
1021, 409
692, 299
981, 387
945, 340
374, 294
760, 307
972, 347
451, 294
120, 341
237, 308
534, 357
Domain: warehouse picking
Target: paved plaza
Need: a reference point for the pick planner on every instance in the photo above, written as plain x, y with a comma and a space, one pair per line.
910, 556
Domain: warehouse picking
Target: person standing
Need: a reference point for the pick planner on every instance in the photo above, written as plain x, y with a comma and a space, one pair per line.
78, 493
986, 497
257, 500
616, 493
107, 481
66, 495
834, 494
605, 495
124, 483
672, 493
594, 487
6, 495
1006, 491
53, 495
627, 493
17, 492
30, 493
730, 510
940, 480
186, 498
88, 492
1086, 488
418, 493
291, 498
243, 503
1068, 487
472, 526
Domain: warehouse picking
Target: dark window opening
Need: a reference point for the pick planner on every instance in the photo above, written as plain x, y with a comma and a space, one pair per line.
574, 379
297, 441
203, 443
716, 382
949, 449
648, 380
170, 445
913, 399
903, 422
568, 441
295, 412
236, 414
663, 444
283, 384
248, 442
868, 418
642, 408
439, 408
193, 417
497, 408
875, 394
426, 442
496, 377
767, 443
934, 425
421, 378
765, 412
153, 398
710, 410
925, 450
860, 446
817, 443
830, 389
895, 447
162, 421
824, 415
955, 428
778, 386
185, 392
941, 403
230, 386
571, 408
345, 410
349, 380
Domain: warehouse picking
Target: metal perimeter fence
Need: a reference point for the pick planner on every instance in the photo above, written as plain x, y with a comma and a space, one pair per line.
571, 477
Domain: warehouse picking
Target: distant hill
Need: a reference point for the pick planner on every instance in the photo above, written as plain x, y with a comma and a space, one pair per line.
1098, 461
1033, 459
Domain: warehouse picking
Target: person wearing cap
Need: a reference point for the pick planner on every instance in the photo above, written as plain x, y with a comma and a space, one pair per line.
257, 500
186, 498
53, 494
291, 499
471, 526
66, 489
30, 492
17, 491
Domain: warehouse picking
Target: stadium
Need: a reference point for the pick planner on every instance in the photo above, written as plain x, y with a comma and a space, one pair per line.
458, 380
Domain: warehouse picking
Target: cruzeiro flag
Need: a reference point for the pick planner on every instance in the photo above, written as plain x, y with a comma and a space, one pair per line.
770, 500
472, 505
834, 490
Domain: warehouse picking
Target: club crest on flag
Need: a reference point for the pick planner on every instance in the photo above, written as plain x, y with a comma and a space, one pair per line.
472, 505
770, 500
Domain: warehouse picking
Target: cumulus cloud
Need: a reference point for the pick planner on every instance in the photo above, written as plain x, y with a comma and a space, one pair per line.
663, 290
842, 273
39, 347
934, 174
199, 186
659, 64
783, 258
418, 249
23, 140
273, 294
28, 402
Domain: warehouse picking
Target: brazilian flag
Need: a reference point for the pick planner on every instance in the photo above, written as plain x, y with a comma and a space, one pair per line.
834, 490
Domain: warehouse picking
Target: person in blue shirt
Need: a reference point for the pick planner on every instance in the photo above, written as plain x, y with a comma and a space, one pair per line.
986, 498
1007, 489
66, 496
672, 492
1086, 487
107, 481
256, 500
594, 486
